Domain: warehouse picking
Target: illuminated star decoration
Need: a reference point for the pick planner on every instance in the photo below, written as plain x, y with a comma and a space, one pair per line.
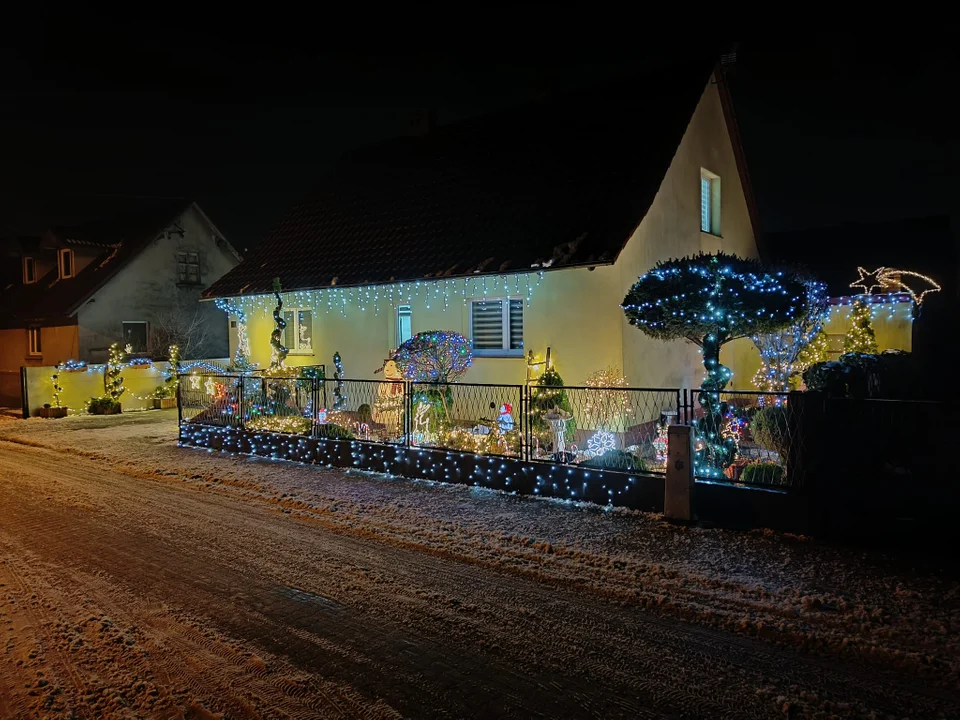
886, 277
868, 280
210, 386
194, 382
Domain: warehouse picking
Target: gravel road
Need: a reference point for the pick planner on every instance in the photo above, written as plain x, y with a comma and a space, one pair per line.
138, 579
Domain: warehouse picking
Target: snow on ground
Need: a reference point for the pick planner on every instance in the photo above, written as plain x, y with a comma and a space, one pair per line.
864, 608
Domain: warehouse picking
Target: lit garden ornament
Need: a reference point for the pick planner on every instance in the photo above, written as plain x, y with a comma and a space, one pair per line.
884, 278
210, 386
601, 442
194, 382
558, 419
505, 419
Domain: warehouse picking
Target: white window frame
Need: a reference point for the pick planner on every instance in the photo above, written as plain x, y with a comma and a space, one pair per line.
29, 260
709, 203
67, 252
404, 311
294, 328
146, 332
34, 341
505, 350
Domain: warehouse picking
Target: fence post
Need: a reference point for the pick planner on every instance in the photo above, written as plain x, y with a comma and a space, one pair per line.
240, 402
407, 411
678, 482
180, 406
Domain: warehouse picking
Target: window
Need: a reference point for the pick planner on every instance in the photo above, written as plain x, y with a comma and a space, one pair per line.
29, 270
135, 335
188, 268
298, 335
404, 324
496, 326
66, 263
709, 202
33, 341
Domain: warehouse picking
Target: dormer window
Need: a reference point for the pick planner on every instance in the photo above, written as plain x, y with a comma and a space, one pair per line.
66, 263
29, 270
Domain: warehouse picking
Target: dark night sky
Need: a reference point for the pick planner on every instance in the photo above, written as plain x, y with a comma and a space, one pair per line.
243, 121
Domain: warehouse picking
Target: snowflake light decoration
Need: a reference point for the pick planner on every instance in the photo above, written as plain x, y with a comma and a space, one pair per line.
601, 442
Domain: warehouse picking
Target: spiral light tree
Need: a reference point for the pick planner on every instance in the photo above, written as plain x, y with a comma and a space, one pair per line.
279, 354
710, 300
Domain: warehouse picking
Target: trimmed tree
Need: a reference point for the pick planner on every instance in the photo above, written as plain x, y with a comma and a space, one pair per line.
279, 355
711, 300
434, 356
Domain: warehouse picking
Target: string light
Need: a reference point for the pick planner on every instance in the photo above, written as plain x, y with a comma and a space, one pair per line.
885, 278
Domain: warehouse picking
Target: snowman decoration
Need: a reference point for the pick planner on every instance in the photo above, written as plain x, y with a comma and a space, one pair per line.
505, 419
389, 401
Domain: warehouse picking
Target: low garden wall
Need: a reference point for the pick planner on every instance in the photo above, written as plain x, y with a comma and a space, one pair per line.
78, 386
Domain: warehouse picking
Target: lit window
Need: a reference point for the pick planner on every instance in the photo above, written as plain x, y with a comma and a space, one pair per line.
188, 268
709, 202
404, 324
496, 326
66, 263
298, 335
135, 335
33, 341
29, 270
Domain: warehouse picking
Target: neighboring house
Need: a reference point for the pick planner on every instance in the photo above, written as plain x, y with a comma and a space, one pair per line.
133, 276
522, 230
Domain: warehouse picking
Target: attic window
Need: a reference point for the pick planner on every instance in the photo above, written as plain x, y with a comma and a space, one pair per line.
65, 257
29, 270
188, 268
709, 202
66, 263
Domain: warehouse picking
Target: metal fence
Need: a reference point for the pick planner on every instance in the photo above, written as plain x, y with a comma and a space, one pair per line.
757, 436
623, 429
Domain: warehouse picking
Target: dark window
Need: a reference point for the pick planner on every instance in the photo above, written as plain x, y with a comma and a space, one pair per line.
188, 268
135, 335
29, 270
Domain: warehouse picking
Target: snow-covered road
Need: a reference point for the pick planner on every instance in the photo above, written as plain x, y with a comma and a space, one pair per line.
142, 579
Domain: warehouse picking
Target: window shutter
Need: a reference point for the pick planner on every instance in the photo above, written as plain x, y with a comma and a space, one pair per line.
516, 324
487, 325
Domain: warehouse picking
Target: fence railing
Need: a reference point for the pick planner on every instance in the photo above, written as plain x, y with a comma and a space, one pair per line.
759, 433
621, 429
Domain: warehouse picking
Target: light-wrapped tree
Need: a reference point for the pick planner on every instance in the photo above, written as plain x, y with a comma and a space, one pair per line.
711, 300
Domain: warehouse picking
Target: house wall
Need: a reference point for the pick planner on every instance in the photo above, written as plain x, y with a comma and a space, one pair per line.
576, 312
58, 343
671, 229
571, 311
147, 289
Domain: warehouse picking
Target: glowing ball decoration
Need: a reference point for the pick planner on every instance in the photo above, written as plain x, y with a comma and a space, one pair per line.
434, 356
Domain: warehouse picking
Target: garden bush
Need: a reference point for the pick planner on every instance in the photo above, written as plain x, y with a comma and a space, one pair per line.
103, 406
617, 460
771, 430
762, 474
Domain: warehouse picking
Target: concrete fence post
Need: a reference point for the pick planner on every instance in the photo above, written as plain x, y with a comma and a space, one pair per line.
678, 484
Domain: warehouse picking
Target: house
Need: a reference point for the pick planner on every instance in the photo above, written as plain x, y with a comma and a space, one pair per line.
131, 274
521, 230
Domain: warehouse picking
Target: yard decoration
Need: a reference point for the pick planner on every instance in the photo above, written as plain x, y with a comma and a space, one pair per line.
860, 337
816, 351
164, 397
884, 278
546, 395
606, 409
781, 350
389, 402
434, 356
339, 399
710, 300
112, 380
57, 389
279, 354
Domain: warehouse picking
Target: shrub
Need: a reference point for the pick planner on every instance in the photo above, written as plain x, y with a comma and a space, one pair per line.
770, 429
103, 406
762, 474
331, 431
617, 460
293, 424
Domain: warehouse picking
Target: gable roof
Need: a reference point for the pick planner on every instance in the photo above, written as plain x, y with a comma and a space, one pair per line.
559, 184
119, 237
